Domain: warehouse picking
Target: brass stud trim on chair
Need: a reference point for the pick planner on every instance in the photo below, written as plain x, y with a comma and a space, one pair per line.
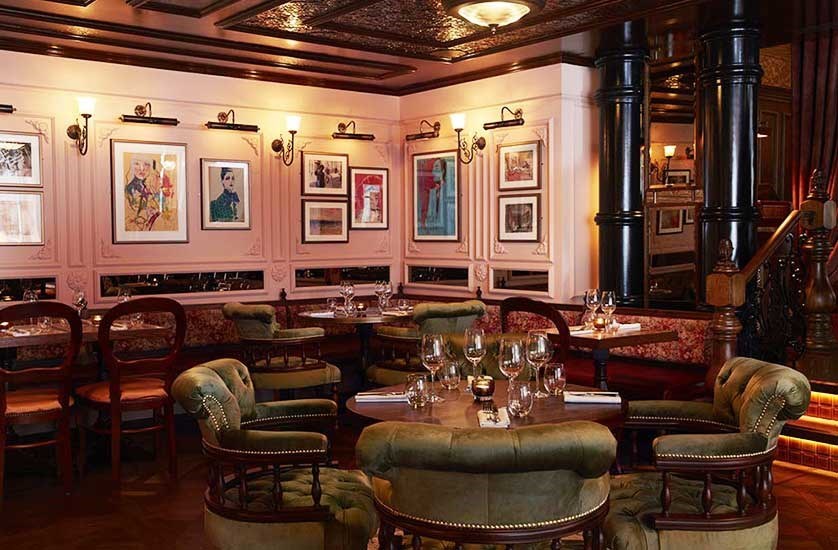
213, 419
714, 457
678, 419
288, 417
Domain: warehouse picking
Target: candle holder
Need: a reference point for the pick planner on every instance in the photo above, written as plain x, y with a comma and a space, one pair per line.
600, 323
483, 388
95, 320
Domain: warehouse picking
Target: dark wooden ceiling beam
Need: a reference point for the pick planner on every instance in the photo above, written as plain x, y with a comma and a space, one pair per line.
184, 11
337, 12
137, 3
244, 15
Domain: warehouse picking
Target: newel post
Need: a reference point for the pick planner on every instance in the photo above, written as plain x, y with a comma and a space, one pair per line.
726, 292
819, 360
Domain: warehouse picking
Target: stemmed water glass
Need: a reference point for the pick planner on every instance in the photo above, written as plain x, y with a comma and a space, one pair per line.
474, 349
31, 296
539, 353
123, 295
387, 291
592, 302
609, 306
555, 379
347, 291
511, 357
433, 356
80, 302
379, 292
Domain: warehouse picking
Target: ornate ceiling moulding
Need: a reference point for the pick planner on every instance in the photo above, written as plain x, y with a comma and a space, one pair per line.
175, 9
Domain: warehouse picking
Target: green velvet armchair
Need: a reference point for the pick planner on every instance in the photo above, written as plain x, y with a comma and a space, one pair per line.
281, 359
483, 486
255, 498
400, 344
723, 497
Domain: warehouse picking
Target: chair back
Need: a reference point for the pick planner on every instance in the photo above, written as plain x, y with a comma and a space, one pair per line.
480, 478
59, 375
441, 318
759, 397
252, 320
162, 367
218, 394
561, 341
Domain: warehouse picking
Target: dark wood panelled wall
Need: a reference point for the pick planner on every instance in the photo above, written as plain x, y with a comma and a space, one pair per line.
622, 59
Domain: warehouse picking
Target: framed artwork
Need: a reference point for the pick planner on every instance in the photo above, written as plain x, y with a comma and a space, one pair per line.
519, 166
369, 204
148, 196
325, 221
225, 194
324, 174
20, 159
678, 177
689, 215
670, 220
21, 217
436, 197
519, 218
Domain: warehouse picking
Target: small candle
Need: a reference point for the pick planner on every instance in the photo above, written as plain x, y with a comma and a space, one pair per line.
600, 323
483, 387
96, 319
361, 307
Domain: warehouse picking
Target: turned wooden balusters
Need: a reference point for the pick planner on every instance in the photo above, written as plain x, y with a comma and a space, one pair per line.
725, 291
819, 360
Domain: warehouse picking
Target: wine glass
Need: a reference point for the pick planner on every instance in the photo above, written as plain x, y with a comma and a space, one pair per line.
609, 306
592, 301
31, 296
520, 399
539, 352
347, 290
331, 305
555, 379
387, 293
511, 357
379, 292
403, 305
474, 348
449, 374
416, 390
433, 356
123, 295
80, 302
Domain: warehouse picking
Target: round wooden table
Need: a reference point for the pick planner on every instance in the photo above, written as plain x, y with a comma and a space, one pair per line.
459, 409
362, 322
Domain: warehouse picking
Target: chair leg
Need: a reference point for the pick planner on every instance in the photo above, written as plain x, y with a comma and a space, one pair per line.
116, 444
158, 419
2, 458
82, 458
64, 448
169, 416
335, 393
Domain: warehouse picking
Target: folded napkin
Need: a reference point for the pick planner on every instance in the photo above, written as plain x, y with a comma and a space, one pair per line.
582, 331
324, 314
19, 331
119, 326
487, 420
390, 313
380, 397
591, 397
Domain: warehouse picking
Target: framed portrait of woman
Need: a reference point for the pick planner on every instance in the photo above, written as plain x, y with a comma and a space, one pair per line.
225, 194
149, 192
369, 202
436, 197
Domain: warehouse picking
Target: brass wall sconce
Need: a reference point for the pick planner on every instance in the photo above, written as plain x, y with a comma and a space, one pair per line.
142, 114
278, 146
9, 109
343, 134
662, 175
222, 123
516, 120
466, 153
75, 132
427, 134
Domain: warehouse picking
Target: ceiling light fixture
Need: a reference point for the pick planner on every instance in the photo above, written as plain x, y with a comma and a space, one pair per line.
492, 14
75, 132
142, 115
7, 109
222, 123
516, 120
432, 133
343, 134
465, 153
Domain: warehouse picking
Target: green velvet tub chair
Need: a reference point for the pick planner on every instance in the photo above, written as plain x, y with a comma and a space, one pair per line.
712, 486
446, 487
281, 359
400, 344
266, 485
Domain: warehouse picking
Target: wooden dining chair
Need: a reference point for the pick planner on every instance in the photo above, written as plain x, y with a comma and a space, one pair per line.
519, 304
40, 395
135, 385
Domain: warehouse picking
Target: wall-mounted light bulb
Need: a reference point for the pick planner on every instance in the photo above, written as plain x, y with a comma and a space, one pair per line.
669, 151
87, 105
458, 121
293, 123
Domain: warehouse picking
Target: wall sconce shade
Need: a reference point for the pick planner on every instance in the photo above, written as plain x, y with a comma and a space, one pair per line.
516, 120
669, 151
428, 134
286, 155
142, 115
75, 131
343, 134
222, 123
9, 109
293, 123
465, 153
458, 121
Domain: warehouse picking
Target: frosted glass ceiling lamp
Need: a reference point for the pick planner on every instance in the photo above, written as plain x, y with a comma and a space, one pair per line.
492, 14
75, 132
286, 154
465, 154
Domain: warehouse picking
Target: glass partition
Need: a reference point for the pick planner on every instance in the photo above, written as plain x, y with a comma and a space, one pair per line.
148, 284
332, 276
519, 279
12, 289
444, 276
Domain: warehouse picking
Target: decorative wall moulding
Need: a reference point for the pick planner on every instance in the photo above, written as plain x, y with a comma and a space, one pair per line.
40, 127
105, 250
77, 280
541, 249
253, 143
463, 248
142, 115
255, 249
43, 253
499, 248
411, 247
481, 272
279, 272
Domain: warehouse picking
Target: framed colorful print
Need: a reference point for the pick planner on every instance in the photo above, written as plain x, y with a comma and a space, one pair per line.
678, 177
325, 221
519, 166
519, 218
436, 197
21, 217
20, 159
670, 220
369, 204
148, 192
324, 174
225, 194
689, 215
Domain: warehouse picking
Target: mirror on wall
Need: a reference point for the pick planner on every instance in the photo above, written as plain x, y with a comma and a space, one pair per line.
520, 279
12, 289
432, 275
149, 284
332, 276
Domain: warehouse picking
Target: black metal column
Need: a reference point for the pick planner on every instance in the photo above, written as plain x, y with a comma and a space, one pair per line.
621, 58
726, 120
